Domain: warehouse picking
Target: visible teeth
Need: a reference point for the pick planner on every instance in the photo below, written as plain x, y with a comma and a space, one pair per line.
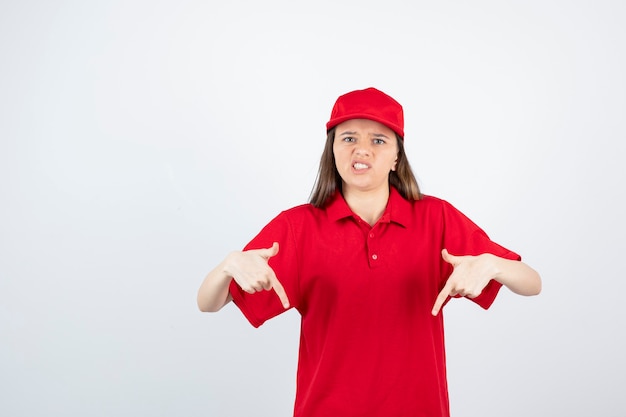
359, 166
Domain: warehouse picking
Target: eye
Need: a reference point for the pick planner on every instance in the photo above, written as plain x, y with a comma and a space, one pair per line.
379, 141
348, 139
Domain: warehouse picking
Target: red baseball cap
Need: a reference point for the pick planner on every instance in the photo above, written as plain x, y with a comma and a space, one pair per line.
369, 104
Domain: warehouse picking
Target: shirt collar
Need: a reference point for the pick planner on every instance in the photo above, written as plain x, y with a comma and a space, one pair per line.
398, 209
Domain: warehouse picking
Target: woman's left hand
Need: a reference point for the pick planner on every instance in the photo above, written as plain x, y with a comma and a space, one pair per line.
470, 276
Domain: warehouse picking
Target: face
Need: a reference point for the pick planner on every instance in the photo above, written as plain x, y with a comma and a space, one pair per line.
365, 152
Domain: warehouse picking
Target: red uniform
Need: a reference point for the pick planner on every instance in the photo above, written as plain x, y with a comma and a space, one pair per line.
369, 346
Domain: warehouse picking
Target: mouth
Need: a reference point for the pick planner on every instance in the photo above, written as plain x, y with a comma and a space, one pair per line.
360, 166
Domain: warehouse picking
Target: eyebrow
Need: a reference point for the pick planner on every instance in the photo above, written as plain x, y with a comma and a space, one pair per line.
377, 135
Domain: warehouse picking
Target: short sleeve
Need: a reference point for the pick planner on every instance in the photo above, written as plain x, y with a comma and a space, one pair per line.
464, 237
264, 305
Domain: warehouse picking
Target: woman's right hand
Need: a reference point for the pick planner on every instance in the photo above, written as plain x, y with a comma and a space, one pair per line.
251, 271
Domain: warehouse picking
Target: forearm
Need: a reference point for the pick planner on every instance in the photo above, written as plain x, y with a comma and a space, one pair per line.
213, 293
516, 276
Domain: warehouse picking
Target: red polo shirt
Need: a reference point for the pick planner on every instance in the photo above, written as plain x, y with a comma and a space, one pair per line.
369, 345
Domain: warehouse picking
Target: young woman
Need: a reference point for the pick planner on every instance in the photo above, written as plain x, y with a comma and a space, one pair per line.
368, 264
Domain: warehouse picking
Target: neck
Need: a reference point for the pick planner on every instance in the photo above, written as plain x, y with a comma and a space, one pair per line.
368, 205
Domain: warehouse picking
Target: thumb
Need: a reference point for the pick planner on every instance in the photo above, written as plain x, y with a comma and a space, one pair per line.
451, 259
269, 252
274, 249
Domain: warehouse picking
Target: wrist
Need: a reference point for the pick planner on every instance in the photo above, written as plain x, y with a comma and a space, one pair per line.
493, 265
227, 265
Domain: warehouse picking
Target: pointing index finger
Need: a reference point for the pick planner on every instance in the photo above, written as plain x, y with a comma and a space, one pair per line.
441, 298
280, 291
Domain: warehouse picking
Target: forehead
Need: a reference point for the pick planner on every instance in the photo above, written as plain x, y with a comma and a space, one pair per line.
364, 126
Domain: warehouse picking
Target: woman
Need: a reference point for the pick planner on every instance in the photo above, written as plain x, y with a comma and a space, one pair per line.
368, 264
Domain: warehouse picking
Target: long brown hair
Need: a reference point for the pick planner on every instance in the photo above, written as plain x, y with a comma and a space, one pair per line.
329, 181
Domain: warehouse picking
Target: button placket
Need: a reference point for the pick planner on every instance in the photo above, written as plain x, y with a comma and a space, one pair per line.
373, 248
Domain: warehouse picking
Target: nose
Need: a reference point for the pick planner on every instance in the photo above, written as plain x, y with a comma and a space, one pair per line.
362, 149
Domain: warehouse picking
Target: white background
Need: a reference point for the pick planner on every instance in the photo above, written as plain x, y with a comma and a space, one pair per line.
141, 141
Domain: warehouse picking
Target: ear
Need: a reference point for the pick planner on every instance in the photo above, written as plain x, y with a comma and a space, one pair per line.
395, 164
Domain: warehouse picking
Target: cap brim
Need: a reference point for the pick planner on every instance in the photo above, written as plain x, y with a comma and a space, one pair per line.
338, 120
